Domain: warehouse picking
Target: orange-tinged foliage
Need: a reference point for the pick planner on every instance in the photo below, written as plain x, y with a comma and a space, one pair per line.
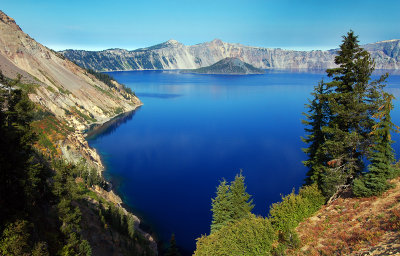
350, 225
49, 131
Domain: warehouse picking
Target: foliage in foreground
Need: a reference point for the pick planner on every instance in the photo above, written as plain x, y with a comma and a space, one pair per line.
248, 236
37, 216
251, 235
294, 208
231, 203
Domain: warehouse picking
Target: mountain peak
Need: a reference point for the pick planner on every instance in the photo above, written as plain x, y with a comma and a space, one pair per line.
9, 21
217, 41
172, 41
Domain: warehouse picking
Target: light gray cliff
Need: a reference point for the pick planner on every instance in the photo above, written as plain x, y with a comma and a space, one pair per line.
175, 55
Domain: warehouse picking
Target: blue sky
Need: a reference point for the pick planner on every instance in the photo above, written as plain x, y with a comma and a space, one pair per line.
294, 24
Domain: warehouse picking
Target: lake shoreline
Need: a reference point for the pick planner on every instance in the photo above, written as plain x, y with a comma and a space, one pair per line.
112, 192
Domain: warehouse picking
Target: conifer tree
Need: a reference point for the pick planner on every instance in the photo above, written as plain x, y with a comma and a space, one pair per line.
240, 199
231, 203
221, 207
381, 154
316, 118
23, 180
173, 248
350, 120
351, 101
131, 226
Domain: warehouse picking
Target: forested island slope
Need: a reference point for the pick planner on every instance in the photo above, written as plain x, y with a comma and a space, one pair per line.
227, 66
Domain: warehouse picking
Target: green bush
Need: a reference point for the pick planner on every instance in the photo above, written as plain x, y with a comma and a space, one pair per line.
15, 239
264, 236
314, 196
285, 216
293, 209
248, 236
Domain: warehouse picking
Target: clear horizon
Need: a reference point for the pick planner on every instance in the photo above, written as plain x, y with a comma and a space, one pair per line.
293, 25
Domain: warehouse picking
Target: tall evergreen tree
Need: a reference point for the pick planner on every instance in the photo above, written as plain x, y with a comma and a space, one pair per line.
340, 126
350, 120
240, 199
221, 207
316, 118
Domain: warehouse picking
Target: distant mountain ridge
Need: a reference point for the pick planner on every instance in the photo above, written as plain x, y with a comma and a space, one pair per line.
175, 55
228, 66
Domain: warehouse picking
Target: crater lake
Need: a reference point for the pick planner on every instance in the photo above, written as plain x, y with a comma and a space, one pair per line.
167, 158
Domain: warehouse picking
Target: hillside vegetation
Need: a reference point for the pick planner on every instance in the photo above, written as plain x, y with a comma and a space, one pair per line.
353, 226
48, 206
53, 198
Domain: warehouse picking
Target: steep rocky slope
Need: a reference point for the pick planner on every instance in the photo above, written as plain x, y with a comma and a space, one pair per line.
228, 66
68, 101
61, 87
175, 55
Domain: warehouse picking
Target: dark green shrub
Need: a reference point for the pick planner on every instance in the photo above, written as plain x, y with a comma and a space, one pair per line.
370, 186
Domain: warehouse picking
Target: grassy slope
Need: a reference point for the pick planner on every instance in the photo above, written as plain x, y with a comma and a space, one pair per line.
353, 226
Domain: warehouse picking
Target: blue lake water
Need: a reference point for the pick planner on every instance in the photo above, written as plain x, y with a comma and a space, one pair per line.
193, 130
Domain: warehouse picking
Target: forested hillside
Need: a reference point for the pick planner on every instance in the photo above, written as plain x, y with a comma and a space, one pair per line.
49, 206
53, 198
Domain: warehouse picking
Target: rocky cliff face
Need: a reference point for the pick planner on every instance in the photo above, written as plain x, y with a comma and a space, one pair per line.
174, 55
385, 53
60, 87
